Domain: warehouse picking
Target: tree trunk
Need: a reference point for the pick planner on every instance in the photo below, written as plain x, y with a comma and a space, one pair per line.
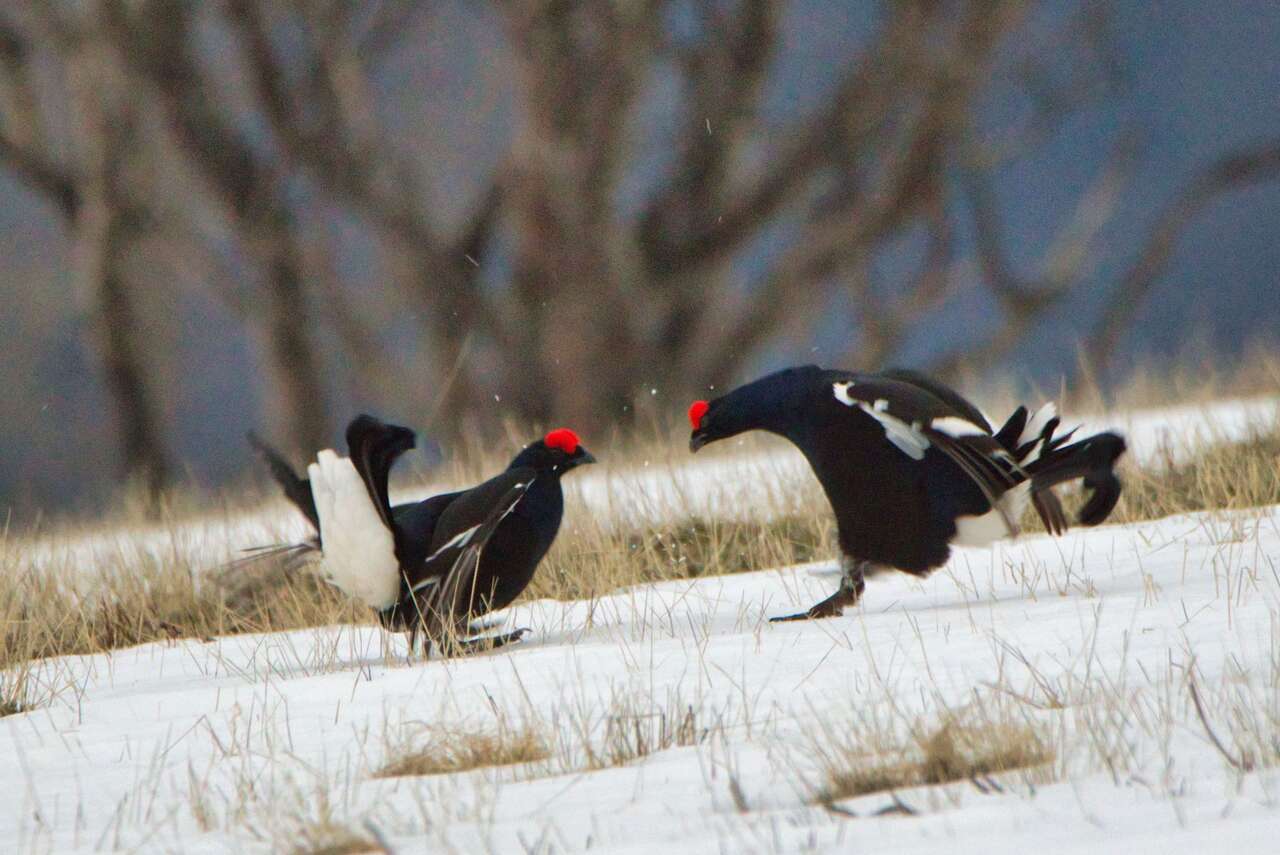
104, 224
297, 397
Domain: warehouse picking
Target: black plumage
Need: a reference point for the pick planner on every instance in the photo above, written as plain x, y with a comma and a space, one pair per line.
910, 467
457, 555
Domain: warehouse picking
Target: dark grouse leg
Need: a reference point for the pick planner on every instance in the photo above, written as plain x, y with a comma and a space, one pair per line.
852, 584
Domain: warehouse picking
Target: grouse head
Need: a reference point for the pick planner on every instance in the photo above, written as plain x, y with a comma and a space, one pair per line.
770, 403
558, 452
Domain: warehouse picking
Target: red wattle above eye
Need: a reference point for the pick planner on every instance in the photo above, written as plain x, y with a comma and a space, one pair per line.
697, 410
563, 439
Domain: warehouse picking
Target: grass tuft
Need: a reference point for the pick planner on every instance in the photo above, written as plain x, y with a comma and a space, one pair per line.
1227, 476
630, 735
595, 560
328, 838
451, 751
952, 752
45, 613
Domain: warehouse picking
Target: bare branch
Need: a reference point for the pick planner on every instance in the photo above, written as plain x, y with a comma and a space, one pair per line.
24, 146
864, 104
842, 228
1066, 265
1230, 172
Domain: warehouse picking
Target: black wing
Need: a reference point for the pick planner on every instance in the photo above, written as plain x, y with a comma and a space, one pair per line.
945, 394
296, 489
472, 507
449, 573
908, 413
417, 524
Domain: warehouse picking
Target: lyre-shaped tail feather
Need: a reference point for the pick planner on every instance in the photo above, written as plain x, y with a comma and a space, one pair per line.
296, 489
1092, 459
374, 446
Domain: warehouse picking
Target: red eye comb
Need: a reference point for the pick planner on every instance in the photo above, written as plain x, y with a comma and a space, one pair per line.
563, 439
697, 410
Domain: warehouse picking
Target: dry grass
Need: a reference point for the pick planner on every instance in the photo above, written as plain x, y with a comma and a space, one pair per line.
630, 731
452, 751
15, 692
53, 613
1228, 476
131, 600
950, 752
594, 559
580, 735
327, 838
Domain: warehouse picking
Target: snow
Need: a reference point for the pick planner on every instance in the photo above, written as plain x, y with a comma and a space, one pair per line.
232, 744
1094, 639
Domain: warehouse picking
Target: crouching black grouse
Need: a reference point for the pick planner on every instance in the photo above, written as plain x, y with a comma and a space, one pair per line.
910, 467
435, 565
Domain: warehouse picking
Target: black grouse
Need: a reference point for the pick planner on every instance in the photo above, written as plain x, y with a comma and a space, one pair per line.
910, 467
432, 566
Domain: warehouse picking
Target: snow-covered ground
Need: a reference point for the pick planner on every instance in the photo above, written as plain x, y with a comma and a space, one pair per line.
1093, 639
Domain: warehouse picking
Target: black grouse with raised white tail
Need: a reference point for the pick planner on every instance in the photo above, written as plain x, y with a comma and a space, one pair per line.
911, 468
435, 565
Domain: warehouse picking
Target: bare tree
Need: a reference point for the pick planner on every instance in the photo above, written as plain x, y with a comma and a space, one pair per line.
580, 274
1234, 170
250, 185
91, 190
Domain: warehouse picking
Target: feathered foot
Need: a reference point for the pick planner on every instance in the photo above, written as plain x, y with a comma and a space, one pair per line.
852, 584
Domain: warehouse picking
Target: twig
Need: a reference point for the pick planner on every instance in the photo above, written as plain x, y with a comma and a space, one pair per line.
898, 806
1243, 764
831, 807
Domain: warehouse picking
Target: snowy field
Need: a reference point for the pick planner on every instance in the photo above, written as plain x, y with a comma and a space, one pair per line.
677, 719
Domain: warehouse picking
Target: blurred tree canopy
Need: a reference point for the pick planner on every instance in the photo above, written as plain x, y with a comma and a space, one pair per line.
645, 213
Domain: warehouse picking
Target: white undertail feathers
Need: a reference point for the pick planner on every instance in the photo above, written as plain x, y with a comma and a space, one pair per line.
359, 551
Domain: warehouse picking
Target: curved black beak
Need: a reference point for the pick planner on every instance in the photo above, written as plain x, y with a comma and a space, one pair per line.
696, 441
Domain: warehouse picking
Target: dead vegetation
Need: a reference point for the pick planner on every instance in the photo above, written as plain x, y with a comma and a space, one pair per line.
1227, 476
936, 754
46, 613
448, 751
329, 839
579, 736
14, 692
594, 560
629, 731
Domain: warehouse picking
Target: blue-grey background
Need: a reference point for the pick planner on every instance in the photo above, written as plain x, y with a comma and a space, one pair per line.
1194, 80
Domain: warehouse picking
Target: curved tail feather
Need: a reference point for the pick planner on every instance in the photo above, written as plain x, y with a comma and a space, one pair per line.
296, 489
374, 446
1092, 459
